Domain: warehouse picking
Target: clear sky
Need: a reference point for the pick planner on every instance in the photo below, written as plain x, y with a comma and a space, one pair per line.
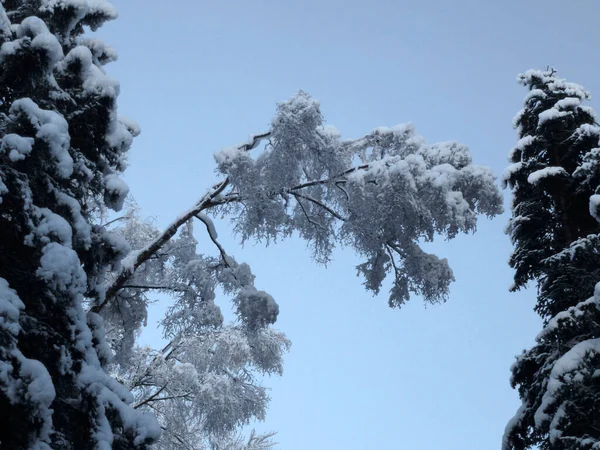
198, 76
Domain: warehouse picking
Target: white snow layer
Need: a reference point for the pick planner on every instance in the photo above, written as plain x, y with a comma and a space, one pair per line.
538, 175
52, 128
595, 206
18, 147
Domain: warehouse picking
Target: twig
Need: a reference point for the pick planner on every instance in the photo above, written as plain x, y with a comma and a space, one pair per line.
213, 239
317, 202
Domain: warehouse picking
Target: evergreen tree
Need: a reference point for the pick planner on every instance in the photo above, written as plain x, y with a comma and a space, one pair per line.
61, 149
555, 228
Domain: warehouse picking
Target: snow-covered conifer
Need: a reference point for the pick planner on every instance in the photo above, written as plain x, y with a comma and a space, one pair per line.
61, 150
555, 179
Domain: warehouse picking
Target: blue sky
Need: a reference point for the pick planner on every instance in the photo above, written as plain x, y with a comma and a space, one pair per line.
198, 76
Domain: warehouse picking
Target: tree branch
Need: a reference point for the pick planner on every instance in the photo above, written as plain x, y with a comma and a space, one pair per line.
254, 140
316, 224
165, 288
330, 179
151, 398
136, 258
213, 238
317, 202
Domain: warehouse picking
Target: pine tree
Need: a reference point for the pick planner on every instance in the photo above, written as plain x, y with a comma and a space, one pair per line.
555, 179
61, 150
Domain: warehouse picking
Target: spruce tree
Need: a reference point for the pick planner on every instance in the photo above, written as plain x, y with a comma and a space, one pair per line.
555, 229
61, 149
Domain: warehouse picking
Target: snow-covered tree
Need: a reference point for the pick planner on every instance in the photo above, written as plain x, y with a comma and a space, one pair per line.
555, 180
203, 384
61, 150
380, 194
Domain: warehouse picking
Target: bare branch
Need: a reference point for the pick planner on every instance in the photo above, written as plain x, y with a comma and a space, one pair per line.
391, 255
110, 222
316, 224
332, 179
151, 398
338, 184
317, 202
165, 288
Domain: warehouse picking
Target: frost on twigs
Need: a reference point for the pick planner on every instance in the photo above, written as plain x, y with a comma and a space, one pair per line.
205, 383
380, 194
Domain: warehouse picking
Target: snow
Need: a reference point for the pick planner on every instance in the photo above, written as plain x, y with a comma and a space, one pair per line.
35, 29
50, 225
567, 364
9, 48
48, 43
256, 308
10, 307
567, 103
510, 170
61, 268
587, 130
512, 423
117, 191
40, 390
17, 146
227, 155
132, 126
52, 128
128, 263
100, 10
109, 392
566, 318
595, 206
96, 324
119, 137
81, 226
547, 172
90, 6
42, 38
94, 80
534, 94
3, 189
521, 145
102, 52
4, 23
531, 77
550, 114
212, 230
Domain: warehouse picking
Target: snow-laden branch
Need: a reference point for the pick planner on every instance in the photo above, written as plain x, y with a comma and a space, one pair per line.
211, 199
137, 258
212, 233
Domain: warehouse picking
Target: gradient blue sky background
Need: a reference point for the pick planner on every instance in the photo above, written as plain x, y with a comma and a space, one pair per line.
198, 76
